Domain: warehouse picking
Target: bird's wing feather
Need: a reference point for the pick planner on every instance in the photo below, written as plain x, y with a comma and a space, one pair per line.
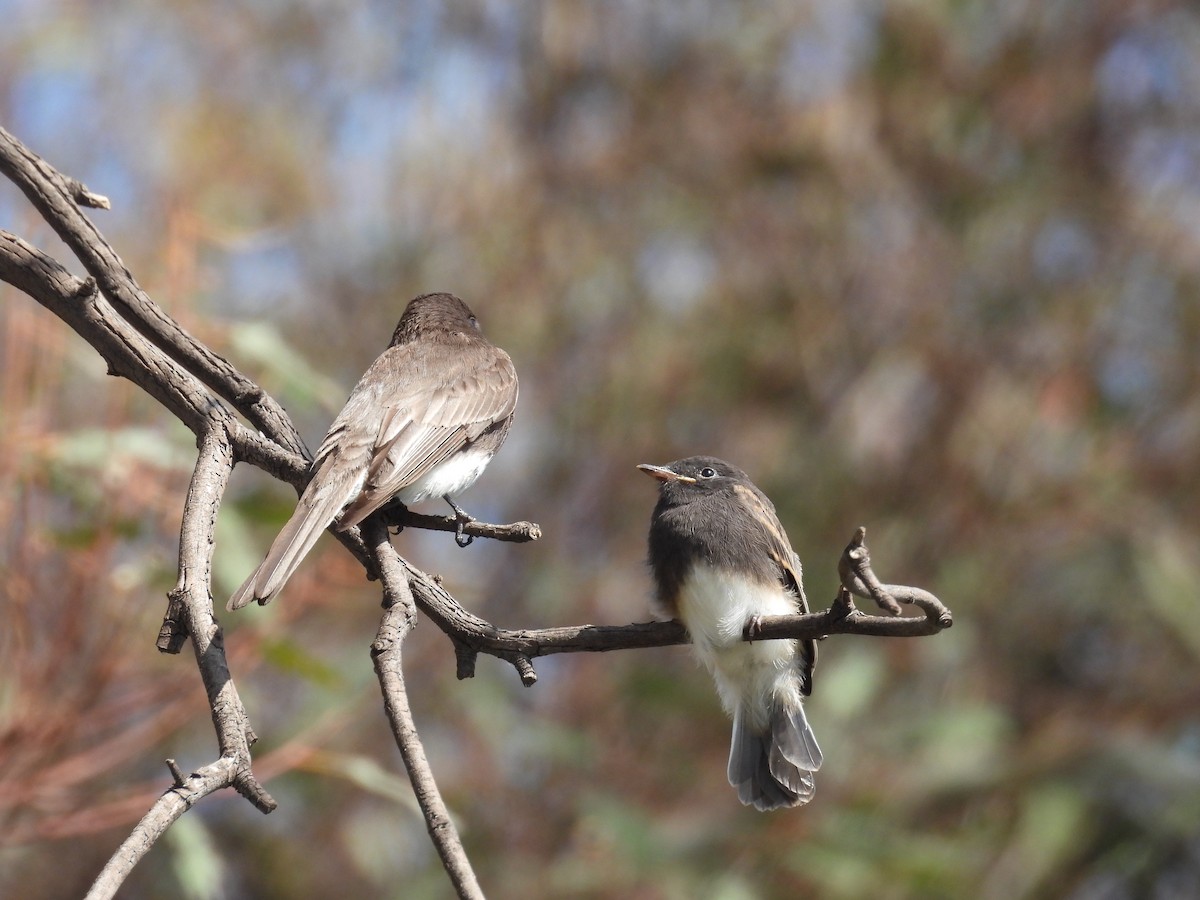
787, 568
420, 429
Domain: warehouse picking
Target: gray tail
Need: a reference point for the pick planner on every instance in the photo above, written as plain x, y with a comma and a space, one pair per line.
773, 769
314, 513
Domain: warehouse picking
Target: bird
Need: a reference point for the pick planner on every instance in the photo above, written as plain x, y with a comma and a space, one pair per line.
719, 559
424, 421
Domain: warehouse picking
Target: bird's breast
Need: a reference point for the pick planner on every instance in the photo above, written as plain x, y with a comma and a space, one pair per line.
715, 604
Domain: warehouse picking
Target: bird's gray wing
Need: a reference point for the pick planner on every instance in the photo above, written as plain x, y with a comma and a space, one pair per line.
787, 569
389, 433
420, 429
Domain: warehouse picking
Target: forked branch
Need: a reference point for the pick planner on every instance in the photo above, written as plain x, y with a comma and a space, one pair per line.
141, 342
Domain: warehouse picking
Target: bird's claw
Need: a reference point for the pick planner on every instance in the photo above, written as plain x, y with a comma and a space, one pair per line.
462, 520
753, 627
460, 537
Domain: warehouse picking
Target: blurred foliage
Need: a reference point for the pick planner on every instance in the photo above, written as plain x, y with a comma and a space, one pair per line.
928, 267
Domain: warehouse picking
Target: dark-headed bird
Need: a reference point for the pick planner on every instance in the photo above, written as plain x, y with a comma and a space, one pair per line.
720, 558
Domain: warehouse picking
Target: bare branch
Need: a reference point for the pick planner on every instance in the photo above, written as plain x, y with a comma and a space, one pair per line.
57, 197
77, 302
472, 635
175, 801
140, 342
190, 611
399, 617
514, 532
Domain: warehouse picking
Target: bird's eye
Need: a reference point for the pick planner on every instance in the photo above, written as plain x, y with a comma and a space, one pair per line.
708, 472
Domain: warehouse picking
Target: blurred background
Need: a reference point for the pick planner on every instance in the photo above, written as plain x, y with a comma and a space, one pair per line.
927, 267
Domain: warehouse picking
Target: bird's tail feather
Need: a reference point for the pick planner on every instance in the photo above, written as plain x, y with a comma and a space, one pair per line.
774, 768
312, 516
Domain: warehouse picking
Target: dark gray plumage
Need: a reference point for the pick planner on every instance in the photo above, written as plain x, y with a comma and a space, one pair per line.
423, 421
720, 556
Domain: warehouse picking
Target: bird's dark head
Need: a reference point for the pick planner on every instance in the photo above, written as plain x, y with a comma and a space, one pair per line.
436, 315
694, 477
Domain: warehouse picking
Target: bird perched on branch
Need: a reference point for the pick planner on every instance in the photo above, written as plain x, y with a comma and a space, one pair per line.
720, 558
423, 421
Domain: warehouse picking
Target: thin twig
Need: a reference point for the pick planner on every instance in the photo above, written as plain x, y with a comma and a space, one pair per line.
173, 803
399, 617
514, 532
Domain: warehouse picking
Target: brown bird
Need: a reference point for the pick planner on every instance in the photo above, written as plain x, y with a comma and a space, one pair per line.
423, 421
720, 557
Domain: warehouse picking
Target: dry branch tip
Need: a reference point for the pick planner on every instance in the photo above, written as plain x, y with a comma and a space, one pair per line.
82, 196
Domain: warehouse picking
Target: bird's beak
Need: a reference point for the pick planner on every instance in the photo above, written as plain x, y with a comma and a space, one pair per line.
662, 473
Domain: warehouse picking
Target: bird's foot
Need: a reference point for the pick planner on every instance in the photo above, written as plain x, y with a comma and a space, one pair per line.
393, 511
462, 518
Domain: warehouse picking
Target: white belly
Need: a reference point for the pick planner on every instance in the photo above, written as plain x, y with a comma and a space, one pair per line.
453, 476
715, 607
